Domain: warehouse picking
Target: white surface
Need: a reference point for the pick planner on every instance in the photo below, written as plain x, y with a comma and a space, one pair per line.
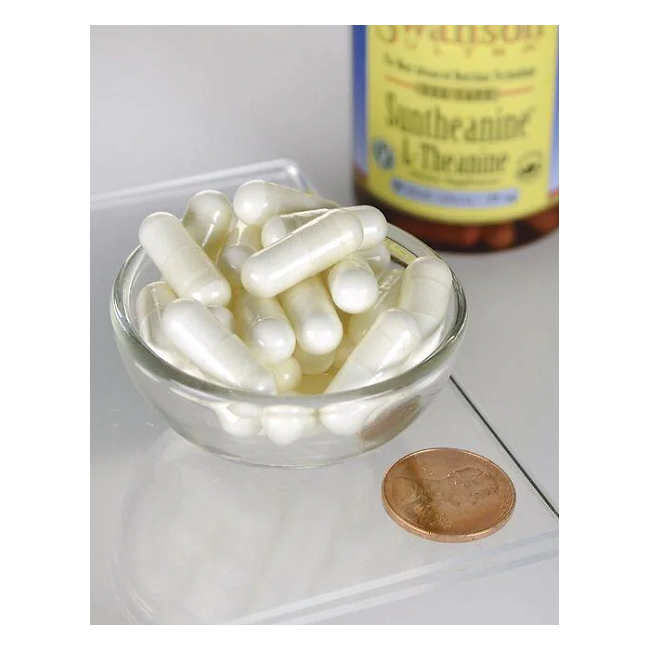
167, 102
172, 545
509, 361
200, 539
518, 595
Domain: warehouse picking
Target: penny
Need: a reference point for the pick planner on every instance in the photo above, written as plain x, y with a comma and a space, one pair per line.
448, 495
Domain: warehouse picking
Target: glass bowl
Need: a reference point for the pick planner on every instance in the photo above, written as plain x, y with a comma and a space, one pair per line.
282, 430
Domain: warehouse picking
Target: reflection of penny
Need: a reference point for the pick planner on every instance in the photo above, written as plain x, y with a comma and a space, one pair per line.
390, 422
449, 495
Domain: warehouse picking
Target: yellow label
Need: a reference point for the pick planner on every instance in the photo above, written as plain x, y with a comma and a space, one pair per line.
462, 119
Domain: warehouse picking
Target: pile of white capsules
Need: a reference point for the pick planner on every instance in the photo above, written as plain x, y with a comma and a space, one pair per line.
284, 292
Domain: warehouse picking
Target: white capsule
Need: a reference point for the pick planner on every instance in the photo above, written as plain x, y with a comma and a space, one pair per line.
278, 227
256, 201
351, 418
347, 418
239, 419
352, 284
216, 351
311, 312
425, 292
343, 352
313, 364
149, 307
242, 242
378, 257
287, 373
425, 350
264, 327
224, 315
386, 345
183, 263
153, 298
207, 219
284, 424
373, 223
304, 253
192, 369
387, 298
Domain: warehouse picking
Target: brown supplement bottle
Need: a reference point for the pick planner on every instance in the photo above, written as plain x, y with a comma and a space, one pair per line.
456, 131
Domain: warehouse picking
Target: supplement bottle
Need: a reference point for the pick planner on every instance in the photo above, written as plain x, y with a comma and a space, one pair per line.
456, 131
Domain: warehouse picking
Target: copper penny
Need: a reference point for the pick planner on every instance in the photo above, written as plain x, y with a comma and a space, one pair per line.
449, 495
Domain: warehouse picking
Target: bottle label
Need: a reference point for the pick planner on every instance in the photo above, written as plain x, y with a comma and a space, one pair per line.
458, 122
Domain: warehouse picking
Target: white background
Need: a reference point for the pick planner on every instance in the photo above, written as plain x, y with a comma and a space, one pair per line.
176, 101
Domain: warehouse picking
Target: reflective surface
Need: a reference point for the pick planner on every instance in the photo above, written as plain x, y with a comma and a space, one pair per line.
123, 476
203, 540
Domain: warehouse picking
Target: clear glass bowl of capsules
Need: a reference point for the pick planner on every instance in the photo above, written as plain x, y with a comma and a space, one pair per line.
286, 430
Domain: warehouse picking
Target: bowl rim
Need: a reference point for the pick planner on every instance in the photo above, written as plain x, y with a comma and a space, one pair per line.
121, 289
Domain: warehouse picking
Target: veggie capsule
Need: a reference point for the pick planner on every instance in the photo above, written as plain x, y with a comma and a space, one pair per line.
428, 346
378, 257
216, 351
372, 221
425, 292
185, 266
207, 219
256, 201
224, 315
379, 355
302, 254
352, 284
314, 364
284, 424
241, 243
149, 308
317, 326
278, 227
387, 344
265, 328
239, 419
387, 298
287, 373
